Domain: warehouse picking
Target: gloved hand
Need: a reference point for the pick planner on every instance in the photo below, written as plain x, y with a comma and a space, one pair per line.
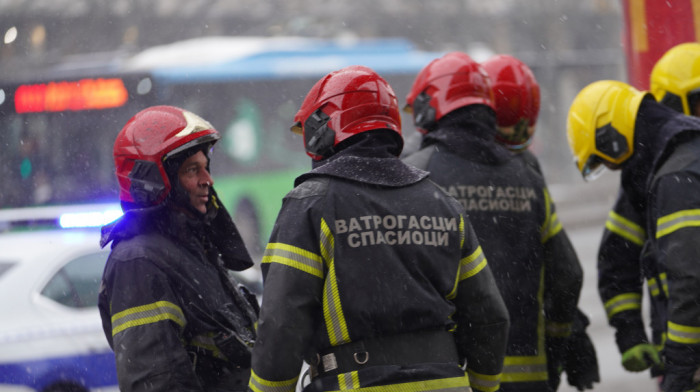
580, 362
556, 348
640, 357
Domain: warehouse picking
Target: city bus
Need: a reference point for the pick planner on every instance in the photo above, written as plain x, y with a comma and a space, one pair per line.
58, 125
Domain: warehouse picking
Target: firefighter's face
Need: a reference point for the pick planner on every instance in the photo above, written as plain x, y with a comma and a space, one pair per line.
196, 180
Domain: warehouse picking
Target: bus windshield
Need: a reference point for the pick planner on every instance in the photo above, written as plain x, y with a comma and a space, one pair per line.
57, 131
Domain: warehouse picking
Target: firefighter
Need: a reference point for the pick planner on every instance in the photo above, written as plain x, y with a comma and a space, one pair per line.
372, 274
613, 125
510, 208
170, 311
673, 82
517, 102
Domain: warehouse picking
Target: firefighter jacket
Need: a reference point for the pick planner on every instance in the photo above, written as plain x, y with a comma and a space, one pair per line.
167, 303
623, 266
663, 176
371, 274
534, 264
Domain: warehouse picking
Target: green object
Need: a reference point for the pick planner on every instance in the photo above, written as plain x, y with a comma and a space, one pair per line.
640, 357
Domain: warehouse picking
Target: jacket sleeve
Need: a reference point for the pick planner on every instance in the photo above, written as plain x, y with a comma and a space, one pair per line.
562, 274
676, 210
482, 317
620, 278
146, 322
293, 273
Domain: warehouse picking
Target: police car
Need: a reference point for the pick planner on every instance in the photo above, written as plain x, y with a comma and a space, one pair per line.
51, 337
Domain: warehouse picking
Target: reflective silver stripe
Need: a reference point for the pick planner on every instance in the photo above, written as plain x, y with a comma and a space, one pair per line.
147, 314
472, 264
625, 228
619, 303
484, 382
678, 220
259, 384
295, 257
524, 372
684, 334
332, 309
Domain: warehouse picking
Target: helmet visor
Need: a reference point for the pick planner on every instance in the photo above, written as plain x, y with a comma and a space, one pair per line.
594, 167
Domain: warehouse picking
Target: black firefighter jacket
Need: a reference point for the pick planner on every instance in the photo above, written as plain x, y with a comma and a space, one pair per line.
533, 262
663, 177
162, 287
369, 249
621, 274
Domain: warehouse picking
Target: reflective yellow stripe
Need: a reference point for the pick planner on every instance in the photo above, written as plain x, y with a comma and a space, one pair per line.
622, 302
683, 333
472, 264
332, 308
678, 220
625, 228
206, 342
462, 235
259, 384
551, 225
558, 330
294, 257
147, 314
534, 367
348, 381
454, 384
654, 285
484, 382
526, 368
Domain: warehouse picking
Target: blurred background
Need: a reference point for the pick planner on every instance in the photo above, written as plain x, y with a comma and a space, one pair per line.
73, 71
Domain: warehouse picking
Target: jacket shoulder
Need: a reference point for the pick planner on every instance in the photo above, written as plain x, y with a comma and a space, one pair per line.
315, 186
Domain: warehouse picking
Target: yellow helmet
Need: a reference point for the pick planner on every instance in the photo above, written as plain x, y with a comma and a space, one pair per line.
675, 78
600, 125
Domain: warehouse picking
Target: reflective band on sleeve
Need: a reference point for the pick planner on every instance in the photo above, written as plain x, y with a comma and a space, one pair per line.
259, 384
462, 235
622, 302
147, 314
484, 382
683, 333
348, 381
678, 220
551, 225
332, 308
472, 264
294, 257
625, 228
558, 330
524, 369
453, 384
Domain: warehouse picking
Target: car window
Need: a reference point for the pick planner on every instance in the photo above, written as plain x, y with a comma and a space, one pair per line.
78, 282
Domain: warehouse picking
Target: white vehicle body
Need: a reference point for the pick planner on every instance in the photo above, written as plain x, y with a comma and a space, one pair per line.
45, 344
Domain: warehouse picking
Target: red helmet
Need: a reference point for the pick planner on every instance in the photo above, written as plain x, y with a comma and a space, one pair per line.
144, 145
517, 97
345, 103
450, 82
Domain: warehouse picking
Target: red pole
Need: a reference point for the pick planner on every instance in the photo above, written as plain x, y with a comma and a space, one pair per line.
650, 28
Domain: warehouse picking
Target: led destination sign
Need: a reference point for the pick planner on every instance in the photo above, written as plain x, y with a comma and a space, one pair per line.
85, 94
